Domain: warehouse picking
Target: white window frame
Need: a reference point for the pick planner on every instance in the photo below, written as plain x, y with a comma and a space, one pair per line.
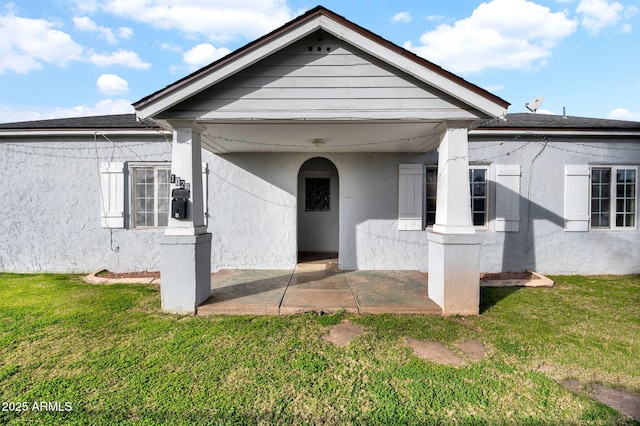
431, 168
133, 169
613, 198
486, 195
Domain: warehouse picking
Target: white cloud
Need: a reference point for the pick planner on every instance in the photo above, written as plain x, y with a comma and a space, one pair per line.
10, 113
599, 14
203, 54
111, 84
87, 6
500, 34
624, 114
220, 20
404, 17
25, 44
104, 107
170, 47
84, 23
125, 58
626, 29
125, 32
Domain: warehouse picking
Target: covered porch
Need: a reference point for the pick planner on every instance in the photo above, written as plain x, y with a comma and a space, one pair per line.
321, 86
318, 286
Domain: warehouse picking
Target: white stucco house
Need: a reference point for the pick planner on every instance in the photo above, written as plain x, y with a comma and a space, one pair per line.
321, 137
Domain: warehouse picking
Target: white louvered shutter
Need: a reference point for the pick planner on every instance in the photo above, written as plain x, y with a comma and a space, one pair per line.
112, 195
410, 197
577, 180
508, 198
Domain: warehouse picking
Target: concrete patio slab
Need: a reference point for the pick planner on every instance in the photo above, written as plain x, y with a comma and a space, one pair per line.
246, 292
324, 290
397, 292
318, 286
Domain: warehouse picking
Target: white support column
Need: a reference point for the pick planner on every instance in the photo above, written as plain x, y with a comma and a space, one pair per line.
186, 164
454, 246
185, 257
453, 209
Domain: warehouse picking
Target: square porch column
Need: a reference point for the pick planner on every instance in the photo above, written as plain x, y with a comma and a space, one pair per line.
185, 252
454, 246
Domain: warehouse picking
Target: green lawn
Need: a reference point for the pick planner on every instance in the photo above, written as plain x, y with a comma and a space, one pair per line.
111, 355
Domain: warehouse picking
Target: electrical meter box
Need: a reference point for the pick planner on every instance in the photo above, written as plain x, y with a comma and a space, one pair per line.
179, 198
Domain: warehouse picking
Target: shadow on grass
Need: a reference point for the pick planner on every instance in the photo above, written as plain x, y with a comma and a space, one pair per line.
491, 296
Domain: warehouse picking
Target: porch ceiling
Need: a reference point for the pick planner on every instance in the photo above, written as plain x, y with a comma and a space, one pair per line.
325, 136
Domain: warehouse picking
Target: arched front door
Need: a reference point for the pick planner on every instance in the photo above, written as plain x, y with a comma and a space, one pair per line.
318, 210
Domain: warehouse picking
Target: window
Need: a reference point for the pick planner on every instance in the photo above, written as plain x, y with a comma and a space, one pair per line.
613, 197
431, 191
478, 192
150, 195
317, 192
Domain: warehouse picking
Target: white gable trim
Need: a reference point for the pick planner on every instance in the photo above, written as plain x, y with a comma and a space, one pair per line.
152, 107
243, 61
413, 68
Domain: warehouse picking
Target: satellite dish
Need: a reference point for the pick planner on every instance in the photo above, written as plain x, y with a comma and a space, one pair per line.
535, 104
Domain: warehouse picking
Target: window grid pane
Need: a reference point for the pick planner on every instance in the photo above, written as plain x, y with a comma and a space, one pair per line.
478, 189
431, 190
626, 201
151, 196
162, 197
600, 200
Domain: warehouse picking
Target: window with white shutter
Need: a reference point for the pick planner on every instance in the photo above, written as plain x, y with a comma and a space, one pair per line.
150, 190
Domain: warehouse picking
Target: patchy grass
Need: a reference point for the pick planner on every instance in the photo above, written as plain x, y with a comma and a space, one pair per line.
110, 353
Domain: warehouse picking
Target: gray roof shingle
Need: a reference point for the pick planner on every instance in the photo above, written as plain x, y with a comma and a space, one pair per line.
558, 122
120, 121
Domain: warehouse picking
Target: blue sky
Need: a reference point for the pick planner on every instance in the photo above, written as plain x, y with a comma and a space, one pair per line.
63, 58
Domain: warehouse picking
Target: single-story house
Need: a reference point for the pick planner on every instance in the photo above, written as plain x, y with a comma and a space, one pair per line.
321, 137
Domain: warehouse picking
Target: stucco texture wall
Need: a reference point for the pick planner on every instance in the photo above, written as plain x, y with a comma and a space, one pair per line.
542, 244
50, 213
253, 208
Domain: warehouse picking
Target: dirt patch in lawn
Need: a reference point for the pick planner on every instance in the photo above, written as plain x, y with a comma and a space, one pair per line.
435, 352
499, 276
118, 275
343, 333
472, 350
626, 402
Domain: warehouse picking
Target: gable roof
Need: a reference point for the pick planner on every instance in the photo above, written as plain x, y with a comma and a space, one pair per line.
313, 20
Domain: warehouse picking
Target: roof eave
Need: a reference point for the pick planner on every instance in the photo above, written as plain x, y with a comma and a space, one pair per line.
23, 133
537, 131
